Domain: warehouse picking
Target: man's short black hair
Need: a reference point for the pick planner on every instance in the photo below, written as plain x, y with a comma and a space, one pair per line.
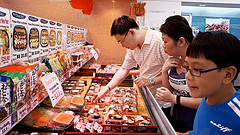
122, 24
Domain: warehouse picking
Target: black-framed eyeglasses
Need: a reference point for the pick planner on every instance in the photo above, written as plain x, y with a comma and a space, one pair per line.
197, 72
120, 42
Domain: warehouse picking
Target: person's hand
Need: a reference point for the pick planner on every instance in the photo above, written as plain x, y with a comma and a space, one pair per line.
163, 94
141, 82
171, 62
99, 95
182, 133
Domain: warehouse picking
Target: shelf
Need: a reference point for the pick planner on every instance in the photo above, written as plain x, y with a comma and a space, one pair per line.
14, 118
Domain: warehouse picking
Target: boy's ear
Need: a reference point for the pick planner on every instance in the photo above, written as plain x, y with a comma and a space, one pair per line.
231, 72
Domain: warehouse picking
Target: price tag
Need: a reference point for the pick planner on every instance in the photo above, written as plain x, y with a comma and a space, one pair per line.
53, 87
22, 112
94, 53
125, 128
62, 79
34, 101
5, 126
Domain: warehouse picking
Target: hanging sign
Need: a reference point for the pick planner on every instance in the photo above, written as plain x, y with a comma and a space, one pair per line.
94, 53
5, 58
137, 9
53, 87
44, 35
59, 36
33, 38
19, 34
68, 30
52, 36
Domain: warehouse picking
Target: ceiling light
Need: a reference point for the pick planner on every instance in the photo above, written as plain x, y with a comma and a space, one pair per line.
202, 5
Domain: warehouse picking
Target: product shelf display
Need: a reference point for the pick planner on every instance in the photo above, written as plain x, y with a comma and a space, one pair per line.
32, 94
30, 46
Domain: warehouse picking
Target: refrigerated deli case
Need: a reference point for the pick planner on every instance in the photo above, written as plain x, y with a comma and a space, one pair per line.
148, 110
157, 115
147, 106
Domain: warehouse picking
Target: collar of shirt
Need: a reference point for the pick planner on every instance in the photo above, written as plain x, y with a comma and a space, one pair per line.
148, 37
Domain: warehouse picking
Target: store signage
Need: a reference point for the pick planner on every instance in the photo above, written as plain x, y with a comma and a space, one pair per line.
94, 53
5, 52
19, 34
53, 87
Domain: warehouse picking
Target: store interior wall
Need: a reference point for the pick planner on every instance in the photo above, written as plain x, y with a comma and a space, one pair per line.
200, 14
157, 11
55, 10
98, 23
103, 14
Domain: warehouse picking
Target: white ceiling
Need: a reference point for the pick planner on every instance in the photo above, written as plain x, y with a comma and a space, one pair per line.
210, 4
207, 3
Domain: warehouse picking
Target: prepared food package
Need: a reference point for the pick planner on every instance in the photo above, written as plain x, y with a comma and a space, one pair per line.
77, 100
48, 118
82, 124
130, 109
64, 118
67, 102
128, 120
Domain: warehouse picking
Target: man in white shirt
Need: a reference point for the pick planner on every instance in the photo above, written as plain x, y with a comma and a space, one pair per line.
144, 47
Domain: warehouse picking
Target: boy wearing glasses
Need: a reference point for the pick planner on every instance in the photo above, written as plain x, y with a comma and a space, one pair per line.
144, 47
211, 66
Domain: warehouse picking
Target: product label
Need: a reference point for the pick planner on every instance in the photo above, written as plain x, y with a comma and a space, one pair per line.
5, 126
4, 93
21, 90
22, 112
34, 101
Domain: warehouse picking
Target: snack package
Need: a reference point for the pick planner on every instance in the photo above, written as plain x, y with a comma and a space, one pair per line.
52, 62
6, 88
27, 73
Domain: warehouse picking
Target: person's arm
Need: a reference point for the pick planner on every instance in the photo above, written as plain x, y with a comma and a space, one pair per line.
178, 133
119, 76
134, 72
141, 82
163, 94
170, 62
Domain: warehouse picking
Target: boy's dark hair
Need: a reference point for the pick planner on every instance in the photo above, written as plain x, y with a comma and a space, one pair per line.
177, 26
220, 47
122, 24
